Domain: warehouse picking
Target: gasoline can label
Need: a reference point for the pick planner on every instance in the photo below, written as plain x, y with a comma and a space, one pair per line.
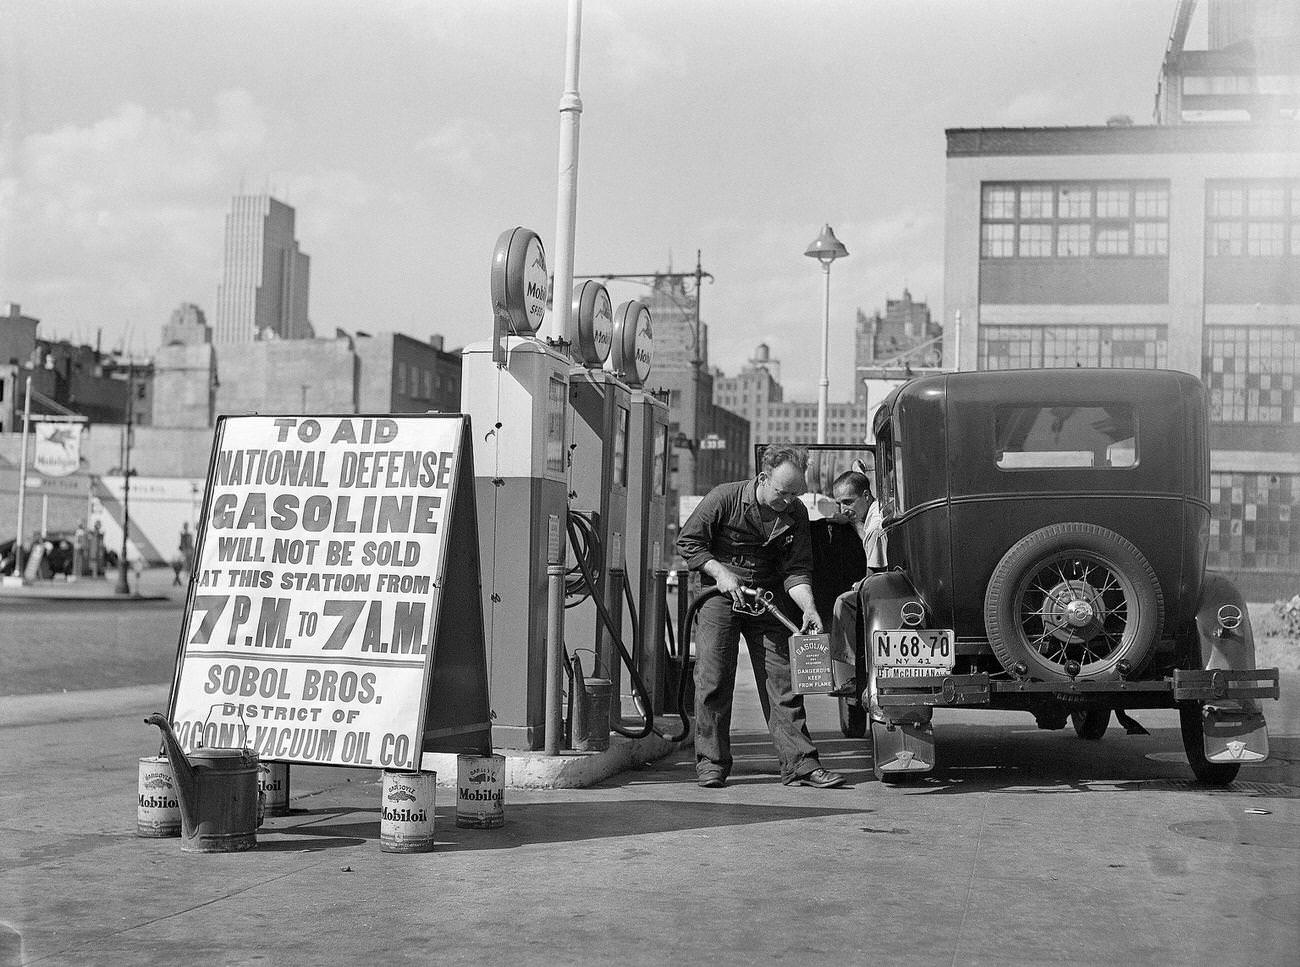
810, 664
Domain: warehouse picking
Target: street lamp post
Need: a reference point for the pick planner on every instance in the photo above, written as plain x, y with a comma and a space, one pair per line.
825, 248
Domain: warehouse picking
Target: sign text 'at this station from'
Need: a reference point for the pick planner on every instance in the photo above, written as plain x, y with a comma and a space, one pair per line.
314, 604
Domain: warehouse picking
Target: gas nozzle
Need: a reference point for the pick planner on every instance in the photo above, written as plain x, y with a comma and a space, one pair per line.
753, 601
763, 601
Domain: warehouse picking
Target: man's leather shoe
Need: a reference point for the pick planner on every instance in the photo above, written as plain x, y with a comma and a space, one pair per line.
848, 690
821, 779
712, 780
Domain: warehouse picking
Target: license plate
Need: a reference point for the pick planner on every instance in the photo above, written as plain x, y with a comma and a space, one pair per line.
913, 651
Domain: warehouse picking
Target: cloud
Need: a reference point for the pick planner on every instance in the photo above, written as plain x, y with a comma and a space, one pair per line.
118, 221
461, 147
1031, 109
625, 55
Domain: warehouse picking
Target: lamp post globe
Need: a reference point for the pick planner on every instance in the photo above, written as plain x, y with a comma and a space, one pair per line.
825, 248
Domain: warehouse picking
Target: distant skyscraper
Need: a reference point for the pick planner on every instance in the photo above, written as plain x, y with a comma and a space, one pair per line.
263, 292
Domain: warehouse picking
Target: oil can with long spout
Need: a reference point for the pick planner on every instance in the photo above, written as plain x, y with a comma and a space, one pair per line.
218, 791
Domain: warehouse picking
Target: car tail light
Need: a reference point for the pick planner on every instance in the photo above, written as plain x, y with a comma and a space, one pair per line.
1229, 618
913, 613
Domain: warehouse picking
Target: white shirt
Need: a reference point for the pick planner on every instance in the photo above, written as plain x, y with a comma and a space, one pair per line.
872, 532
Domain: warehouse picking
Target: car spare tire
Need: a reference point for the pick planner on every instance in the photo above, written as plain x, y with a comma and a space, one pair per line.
1073, 600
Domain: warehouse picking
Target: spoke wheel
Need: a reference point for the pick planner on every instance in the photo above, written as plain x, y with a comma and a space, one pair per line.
1210, 773
1090, 724
853, 715
1071, 601
853, 719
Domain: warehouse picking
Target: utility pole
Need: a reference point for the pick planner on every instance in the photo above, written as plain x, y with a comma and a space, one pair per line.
649, 278
22, 485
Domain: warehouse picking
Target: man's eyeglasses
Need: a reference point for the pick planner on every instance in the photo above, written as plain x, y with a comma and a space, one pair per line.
787, 494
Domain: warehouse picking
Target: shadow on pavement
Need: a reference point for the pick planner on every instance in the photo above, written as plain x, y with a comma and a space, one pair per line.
538, 824
973, 759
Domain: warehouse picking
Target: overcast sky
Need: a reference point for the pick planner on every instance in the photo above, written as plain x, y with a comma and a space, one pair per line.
409, 134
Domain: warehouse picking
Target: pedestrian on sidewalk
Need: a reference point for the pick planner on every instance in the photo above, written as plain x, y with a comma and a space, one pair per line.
753, 534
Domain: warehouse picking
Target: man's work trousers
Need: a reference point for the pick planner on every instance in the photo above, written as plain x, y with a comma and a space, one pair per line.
717, 640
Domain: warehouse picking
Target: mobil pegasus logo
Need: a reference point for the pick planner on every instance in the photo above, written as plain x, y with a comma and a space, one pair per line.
400, 792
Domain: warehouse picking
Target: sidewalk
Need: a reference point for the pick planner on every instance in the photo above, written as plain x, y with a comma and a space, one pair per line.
152, 584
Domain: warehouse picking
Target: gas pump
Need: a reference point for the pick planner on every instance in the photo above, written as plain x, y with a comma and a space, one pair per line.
600, 414
554, 449
515, 390
647, 499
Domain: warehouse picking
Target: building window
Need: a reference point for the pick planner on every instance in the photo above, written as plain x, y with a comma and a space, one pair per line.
1073, 239
998, 241
1036, 201
999, 202
1150, 238
1035, 241
1074, 201
1253, 373
1255, 523
1225, 238
1265, 238
1075, 220
1113, 202
1112, 240
1256, 219
1064, 347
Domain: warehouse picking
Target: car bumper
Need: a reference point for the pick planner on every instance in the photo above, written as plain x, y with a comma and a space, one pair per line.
1210, 686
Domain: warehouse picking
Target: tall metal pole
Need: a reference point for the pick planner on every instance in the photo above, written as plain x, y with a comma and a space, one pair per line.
566, 213
823, 385
566, 205
22, 481
124, 586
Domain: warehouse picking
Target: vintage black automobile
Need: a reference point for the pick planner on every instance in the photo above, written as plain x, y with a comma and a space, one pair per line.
1047, 536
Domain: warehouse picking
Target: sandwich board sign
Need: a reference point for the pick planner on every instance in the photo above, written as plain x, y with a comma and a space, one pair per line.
333, 615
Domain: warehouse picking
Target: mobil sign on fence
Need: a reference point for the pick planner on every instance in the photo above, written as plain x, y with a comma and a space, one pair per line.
322, 623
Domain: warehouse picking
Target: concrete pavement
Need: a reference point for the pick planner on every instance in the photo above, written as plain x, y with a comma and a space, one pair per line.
1028, 848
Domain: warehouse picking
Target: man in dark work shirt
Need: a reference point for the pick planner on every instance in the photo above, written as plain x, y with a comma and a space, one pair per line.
753, 533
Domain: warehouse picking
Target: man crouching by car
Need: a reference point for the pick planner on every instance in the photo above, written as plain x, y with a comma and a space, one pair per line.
753, 534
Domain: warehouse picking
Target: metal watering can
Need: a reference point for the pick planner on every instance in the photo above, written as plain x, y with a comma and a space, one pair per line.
218, 794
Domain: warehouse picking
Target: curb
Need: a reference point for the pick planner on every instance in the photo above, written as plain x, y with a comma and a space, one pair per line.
61, 596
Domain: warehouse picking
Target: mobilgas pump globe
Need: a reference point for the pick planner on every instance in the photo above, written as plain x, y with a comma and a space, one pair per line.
633, 351
593, 313
519, 282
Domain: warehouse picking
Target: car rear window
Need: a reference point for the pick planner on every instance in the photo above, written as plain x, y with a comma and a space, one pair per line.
1047, 436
